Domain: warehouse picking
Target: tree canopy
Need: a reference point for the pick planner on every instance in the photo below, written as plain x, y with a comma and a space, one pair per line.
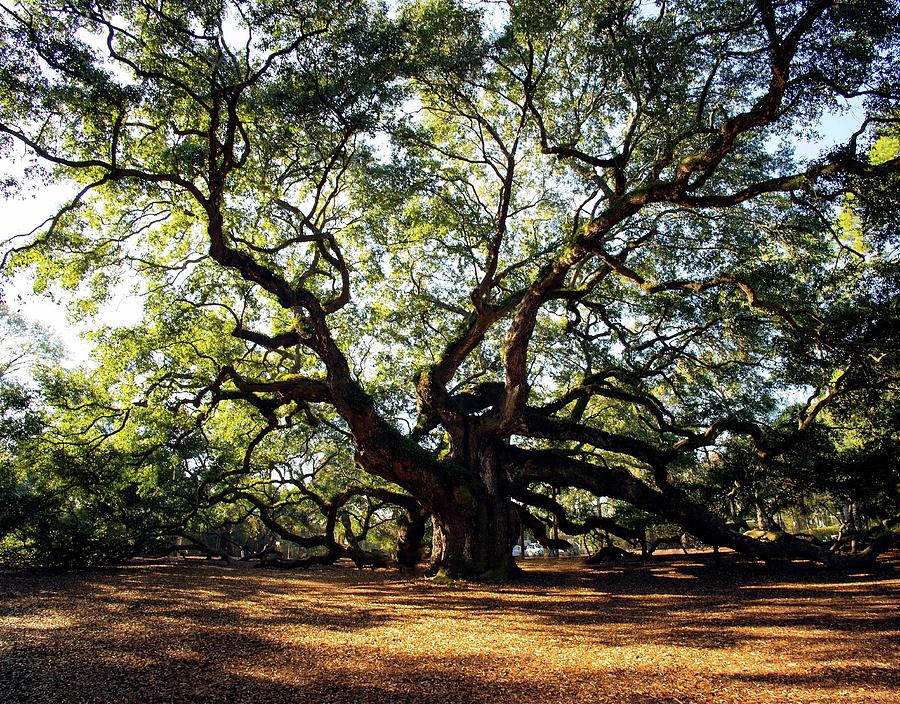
449, 259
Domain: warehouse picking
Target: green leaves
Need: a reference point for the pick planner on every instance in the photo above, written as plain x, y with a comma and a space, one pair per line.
445, 39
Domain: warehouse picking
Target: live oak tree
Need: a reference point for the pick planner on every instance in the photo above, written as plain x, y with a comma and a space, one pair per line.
489, 247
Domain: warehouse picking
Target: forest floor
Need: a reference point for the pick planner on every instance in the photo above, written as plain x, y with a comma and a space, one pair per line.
676, 629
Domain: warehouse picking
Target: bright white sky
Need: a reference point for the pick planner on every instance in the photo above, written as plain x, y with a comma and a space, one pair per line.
21, 215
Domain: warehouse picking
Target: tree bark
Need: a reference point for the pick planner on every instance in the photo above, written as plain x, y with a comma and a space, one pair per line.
763, 520
410, 531
477, 525
475, 540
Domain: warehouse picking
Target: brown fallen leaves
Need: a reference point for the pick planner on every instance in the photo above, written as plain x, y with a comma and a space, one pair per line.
674, 630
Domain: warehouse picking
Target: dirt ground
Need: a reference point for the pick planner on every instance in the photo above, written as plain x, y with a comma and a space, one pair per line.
674, 630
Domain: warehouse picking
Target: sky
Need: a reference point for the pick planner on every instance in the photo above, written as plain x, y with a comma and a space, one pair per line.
22, 214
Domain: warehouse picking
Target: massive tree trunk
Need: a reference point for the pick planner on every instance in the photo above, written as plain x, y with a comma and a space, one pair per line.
476, 525
474, 539
410, 532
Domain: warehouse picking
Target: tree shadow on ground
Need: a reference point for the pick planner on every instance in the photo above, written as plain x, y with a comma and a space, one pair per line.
672, 630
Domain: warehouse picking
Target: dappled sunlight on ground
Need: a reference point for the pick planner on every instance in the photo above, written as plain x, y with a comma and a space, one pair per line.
674, 630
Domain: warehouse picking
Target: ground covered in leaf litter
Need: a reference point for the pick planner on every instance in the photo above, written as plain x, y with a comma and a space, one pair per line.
676, 629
